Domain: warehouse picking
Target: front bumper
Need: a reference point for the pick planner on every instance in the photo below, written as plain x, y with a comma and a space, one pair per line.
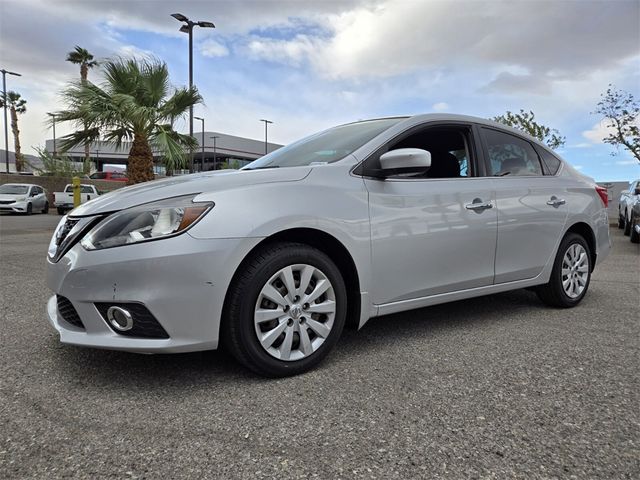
18, 207
182, 281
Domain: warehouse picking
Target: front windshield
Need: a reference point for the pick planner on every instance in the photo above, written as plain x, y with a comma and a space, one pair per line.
13, 189
325, 147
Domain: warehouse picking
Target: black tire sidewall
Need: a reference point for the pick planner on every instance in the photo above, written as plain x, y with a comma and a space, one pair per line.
258, 358
556, 280
46, 208
29, 208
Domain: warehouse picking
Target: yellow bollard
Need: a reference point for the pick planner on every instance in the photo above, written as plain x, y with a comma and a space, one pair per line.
75, 182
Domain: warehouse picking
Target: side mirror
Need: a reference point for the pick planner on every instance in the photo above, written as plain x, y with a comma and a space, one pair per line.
406, 158
637, 191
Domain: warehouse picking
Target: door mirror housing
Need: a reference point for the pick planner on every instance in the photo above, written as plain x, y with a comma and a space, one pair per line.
637, 191
405, 158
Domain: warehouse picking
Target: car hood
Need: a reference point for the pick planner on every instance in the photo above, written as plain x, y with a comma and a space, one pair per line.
6, 197
207, 182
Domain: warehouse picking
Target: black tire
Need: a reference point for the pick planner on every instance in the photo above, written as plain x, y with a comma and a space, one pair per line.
620, 221
46, 208
627, 226
29, 209
633, 235
553, 293
60, 211
238, 330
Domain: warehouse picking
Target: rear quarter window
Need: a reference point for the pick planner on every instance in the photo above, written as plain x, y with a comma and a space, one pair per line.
549, 161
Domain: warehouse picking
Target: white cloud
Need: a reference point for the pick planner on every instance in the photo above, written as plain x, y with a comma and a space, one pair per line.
627, 162
440, 107
599, 131
292, 51
212, 48
581, 145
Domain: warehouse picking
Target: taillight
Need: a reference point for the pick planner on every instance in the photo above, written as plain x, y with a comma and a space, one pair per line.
603, 195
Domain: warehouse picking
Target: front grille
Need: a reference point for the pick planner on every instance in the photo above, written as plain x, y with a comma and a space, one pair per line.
68, 226
145, 324
6, 202
68, 312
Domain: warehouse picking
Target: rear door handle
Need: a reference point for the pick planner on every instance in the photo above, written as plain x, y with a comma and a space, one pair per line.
556, 202
478, 205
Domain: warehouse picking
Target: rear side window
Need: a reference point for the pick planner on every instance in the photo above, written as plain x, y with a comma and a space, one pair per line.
550, 161
86, 189
510, 155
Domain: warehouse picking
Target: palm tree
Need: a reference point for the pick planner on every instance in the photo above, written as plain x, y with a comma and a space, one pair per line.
81, 56
17, 105
132, 104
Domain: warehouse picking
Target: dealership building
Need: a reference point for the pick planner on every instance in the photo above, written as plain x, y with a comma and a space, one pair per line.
219, 149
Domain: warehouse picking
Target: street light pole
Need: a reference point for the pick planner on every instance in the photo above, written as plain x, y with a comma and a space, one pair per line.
266, 123
4, 103
202, 159
215, 137
53, 118
187, 27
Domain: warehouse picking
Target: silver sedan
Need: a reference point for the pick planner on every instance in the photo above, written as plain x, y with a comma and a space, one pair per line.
362, 220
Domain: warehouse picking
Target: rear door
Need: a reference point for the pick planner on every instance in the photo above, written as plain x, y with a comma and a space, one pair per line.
531, 206
433, 233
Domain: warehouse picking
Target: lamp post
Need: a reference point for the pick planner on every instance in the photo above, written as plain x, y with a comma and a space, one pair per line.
4, 103
266, 123
98, 159
187, 27
214, 137
53, 118
202, 159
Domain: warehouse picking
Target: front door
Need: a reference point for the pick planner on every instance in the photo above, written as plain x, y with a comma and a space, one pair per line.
433, 233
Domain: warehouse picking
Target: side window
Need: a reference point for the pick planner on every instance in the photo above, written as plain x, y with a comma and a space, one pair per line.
550, 161
86, 189
510, 155
449, 148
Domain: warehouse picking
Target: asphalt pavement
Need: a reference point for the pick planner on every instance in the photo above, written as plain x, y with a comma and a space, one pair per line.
495, 387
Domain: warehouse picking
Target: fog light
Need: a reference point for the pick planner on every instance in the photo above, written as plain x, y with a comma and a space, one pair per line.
120, 319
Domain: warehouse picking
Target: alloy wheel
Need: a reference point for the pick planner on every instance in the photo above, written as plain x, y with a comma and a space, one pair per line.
295, 312
575, 270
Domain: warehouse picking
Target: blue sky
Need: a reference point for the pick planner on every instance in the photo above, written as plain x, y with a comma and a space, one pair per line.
311, 65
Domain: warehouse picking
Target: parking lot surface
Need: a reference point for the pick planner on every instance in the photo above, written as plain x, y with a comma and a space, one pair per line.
494, 387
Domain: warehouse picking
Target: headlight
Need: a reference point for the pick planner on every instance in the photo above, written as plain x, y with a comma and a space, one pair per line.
147, 222
20, 199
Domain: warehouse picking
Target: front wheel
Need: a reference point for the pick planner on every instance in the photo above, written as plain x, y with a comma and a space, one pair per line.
571, 274
46, 207
620, 221
285, 310
60, 211
627, 226
29, 209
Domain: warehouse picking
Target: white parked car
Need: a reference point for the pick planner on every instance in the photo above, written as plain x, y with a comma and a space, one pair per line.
63, 201
23, 198
362, 220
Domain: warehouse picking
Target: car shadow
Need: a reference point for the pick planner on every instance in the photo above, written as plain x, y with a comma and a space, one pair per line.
164, 372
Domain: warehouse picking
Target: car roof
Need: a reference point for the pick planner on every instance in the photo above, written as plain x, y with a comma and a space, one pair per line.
452, 117
22, 184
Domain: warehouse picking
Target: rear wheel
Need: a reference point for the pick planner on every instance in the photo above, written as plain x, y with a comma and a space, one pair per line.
285, 310
571, 274
46, 207
634, 236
